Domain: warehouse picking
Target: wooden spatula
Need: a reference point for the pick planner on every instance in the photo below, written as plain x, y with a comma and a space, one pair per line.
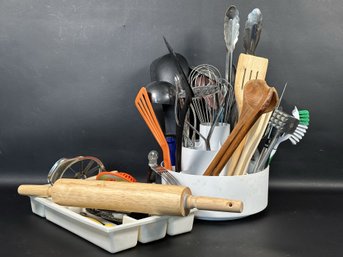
249, 67
258, 98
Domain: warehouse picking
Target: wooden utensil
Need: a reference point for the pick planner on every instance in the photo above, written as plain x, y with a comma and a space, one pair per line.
254, 140
258, 98
251, 37
251, 141
155, 199
146, 110
249, 67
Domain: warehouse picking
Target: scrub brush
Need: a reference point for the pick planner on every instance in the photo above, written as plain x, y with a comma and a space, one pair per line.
304, 121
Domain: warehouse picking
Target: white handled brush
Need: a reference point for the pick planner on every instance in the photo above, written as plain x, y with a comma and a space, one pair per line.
304, 121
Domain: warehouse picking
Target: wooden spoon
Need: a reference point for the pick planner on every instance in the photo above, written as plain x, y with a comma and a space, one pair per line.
249, 67
258, 98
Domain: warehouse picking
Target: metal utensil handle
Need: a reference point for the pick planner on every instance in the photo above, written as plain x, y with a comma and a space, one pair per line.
264, 156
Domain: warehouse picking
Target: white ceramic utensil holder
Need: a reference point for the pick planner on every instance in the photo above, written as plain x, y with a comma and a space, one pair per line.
195, 161
218, 137
251, 189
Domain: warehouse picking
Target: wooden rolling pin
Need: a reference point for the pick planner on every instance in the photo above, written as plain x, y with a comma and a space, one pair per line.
152, 199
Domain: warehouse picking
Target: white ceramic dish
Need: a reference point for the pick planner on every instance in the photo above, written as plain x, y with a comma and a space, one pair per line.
116, 238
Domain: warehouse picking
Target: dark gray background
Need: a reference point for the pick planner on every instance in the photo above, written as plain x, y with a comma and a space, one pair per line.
70, 70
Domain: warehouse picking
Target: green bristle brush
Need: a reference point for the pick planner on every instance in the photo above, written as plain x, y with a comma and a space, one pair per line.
304, 117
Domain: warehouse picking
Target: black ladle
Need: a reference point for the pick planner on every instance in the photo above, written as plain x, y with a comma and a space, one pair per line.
182, 111
163, 93
164, 68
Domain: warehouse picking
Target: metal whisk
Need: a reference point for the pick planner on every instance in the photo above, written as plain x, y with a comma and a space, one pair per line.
209, 91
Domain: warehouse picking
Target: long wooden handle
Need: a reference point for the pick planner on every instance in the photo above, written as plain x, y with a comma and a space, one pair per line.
235, 158
223, 149
244, 124
125, 197
254, 137
213, 204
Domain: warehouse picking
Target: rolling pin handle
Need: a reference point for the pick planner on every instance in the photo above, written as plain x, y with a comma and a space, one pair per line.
213, 204
35, 190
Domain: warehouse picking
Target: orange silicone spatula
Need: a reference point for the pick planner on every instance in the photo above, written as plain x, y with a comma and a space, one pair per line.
144, 106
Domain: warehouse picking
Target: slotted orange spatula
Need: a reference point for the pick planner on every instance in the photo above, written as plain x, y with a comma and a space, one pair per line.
145, 108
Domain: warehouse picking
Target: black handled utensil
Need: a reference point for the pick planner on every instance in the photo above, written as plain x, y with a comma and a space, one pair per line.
183, 109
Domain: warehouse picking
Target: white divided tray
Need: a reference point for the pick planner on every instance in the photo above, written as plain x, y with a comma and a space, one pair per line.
118, 237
